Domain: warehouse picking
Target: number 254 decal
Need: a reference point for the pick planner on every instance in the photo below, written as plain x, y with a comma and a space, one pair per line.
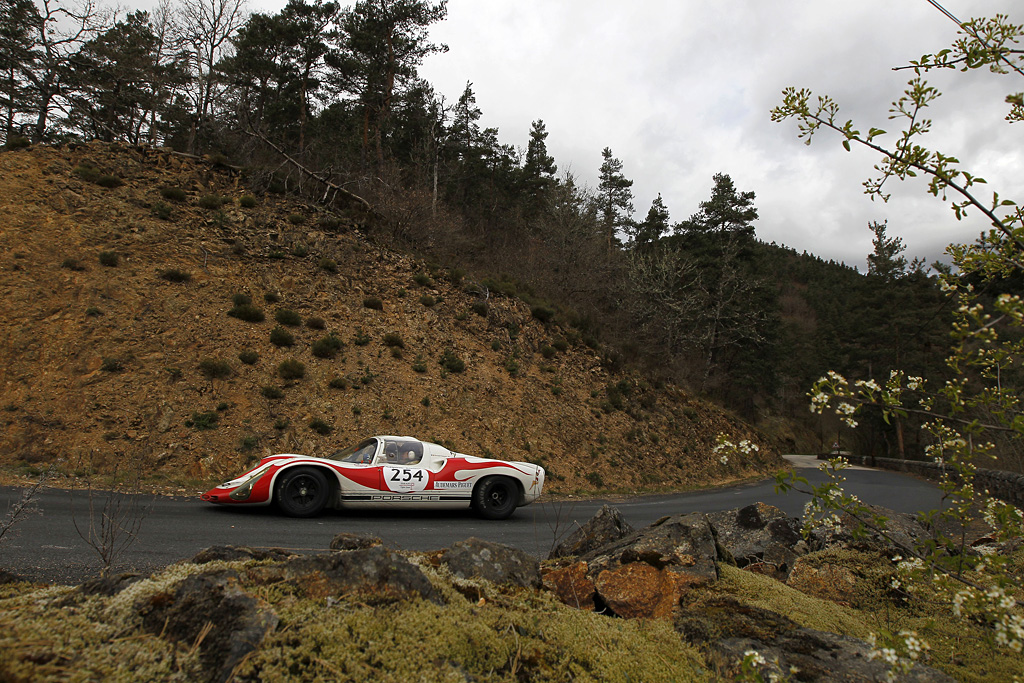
405, 479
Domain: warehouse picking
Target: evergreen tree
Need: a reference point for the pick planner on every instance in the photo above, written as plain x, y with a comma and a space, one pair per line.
18, 24
538, 174
109, 81
727, 211
887, 261
380, 45
615, 199
654, 226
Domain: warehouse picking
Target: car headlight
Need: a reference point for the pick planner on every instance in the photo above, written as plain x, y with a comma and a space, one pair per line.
244, 490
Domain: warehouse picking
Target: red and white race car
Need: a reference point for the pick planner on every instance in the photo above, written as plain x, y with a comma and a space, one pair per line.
385, 471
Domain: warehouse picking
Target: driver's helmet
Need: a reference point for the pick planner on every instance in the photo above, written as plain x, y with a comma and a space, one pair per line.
391, 452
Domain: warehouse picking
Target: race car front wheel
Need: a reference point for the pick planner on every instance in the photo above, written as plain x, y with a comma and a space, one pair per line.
302, 492
495, 498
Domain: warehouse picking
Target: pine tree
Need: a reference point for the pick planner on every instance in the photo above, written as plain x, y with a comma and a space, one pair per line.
614, 198
18, 22
539, 167
727, 211
654, 227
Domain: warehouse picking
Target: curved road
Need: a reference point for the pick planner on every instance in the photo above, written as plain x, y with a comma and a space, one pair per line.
47, 547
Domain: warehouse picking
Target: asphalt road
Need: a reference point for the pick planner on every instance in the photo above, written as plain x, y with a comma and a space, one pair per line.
47, 547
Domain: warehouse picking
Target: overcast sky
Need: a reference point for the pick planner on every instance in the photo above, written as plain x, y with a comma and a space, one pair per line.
681, 90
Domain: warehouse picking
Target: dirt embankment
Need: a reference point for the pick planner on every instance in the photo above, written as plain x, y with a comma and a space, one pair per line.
121, 344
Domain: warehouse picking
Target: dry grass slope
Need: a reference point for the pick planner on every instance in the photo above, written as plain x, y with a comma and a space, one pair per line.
116, 343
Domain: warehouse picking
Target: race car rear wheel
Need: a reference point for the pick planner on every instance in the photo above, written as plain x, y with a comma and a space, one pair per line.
302, 492
495, 498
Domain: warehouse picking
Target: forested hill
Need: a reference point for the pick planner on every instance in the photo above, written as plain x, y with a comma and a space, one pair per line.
159, 314
325, 101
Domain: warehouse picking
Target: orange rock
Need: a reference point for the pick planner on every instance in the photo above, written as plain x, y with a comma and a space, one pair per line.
571, 585
639, 591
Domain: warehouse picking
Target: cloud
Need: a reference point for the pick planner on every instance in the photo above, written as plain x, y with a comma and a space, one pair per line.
682, 90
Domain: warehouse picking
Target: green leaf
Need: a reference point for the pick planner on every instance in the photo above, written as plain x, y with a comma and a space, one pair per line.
846, 145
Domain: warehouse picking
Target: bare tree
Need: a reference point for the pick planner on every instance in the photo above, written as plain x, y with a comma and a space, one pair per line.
115, 514
25, 505
207, 26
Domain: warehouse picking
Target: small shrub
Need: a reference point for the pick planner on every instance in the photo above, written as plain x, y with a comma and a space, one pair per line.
548, 351
281, 423
175, 275
451, 362
109, 181
300, 250
222, 406
215, 368
320, 427
596, 479
360, 338
203, 421
480, 308
247, 201
374, 303
338, 383
393, 339
17, 142
162, 211
425, 402
327, 347
110, 364
249, 442
271, 297
495, 345
72, 264
86, 173
428, 300
93, 312
462, 315
247, 312
291, 369
272, 392
561, 345
455, 276
315, 323
281, 337
296, 218
542, 313
328, 223
512, 366
109, 259
174, 194
288, 317
419, 365
248, 356
401, 292
241, 299
396, 352
275, 254
357, 411
212, 202
556, 390
328, 265
423, 280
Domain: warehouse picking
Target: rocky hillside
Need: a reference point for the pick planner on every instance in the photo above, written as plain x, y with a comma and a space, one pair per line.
158, 316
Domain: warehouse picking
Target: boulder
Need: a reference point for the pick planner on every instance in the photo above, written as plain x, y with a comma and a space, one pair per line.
607, 526
372, 572
639, 591
210, 611
350, 541
109, 585
572, 585
475, 558
681, 544
726, 629
759, 535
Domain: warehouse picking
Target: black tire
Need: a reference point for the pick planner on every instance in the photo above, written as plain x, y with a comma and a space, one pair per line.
496, 498
302, 492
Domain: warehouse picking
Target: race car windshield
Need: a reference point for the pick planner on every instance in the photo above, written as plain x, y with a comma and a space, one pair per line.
361, 452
